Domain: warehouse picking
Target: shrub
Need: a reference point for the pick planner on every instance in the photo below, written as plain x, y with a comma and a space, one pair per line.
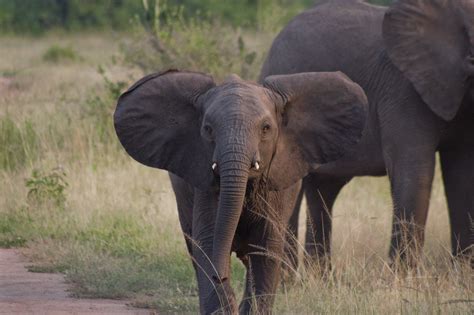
171, 41
56, 54
47, 187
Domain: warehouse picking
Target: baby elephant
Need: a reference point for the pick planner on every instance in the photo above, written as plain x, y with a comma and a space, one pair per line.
236, 153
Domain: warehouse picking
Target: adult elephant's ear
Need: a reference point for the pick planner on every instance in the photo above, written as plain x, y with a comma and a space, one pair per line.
158, 124
323, 116
430, 42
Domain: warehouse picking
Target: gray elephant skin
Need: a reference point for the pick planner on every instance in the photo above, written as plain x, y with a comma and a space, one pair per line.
236, 153
415, 62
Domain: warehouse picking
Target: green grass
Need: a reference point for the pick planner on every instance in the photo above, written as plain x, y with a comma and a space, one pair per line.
110, 225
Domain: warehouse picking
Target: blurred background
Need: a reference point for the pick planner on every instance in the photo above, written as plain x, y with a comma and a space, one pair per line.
39, 16
75, 203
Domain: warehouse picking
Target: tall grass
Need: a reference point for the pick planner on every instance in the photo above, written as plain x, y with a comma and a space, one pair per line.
110, 225
18, 142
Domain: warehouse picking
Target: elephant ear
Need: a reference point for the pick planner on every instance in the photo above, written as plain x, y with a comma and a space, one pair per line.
158, 124
429, 42
323, 117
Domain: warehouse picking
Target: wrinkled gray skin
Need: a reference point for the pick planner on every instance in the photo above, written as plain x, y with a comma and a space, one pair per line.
415, 62
262, 140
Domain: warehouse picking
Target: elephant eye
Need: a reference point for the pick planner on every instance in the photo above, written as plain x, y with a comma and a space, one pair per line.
208, 130
266, 128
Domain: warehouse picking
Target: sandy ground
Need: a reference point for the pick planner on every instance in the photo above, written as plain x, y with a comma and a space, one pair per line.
23, 292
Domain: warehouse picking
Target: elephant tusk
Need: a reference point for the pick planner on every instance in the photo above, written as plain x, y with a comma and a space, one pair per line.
255, 161
256, 166
214, 166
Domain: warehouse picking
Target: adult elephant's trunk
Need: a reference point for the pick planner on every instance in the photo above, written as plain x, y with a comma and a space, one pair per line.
234, 171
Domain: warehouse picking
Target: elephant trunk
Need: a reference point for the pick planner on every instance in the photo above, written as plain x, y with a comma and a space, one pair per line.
234, 171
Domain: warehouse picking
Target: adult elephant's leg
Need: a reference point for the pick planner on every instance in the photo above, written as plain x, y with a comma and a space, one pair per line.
291, 243
458, 175
411, 177
410, 136
211, 296
321, 193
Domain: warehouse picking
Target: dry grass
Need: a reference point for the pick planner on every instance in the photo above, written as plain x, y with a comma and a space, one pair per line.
118, 234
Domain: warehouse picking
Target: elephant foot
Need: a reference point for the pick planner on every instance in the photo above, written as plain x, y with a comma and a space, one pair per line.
407, 247
222, 300
256, 305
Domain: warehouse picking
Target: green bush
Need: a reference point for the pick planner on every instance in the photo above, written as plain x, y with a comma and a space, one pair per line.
55, 54
199, 44
47, 187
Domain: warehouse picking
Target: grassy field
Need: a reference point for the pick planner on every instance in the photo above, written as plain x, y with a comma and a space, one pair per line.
77, 204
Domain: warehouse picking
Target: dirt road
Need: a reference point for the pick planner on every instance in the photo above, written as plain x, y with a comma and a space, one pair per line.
23, 292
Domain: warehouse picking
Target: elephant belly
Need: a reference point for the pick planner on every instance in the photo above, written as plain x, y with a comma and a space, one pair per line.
365, 160
350, 168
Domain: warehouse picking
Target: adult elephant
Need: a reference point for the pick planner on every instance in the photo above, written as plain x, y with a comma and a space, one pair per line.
237, 153
415, 62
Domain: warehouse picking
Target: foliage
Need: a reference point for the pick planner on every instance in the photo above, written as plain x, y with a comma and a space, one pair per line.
38, 16
172, 41
47, 187
9, 230
99, 107
245, 13
55, 54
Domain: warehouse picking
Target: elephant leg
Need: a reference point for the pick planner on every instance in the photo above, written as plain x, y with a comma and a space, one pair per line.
263, 276
321, 193
212, 296
458, 175
265, 252
248, 302
411, 177
410, 135
291, 243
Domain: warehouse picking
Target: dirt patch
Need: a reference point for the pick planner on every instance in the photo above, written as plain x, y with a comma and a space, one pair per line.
24, 292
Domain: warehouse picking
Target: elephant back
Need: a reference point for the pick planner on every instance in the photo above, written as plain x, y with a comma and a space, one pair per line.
331, 36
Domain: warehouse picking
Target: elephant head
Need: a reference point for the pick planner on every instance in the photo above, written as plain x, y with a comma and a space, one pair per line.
220, 136
432, 43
